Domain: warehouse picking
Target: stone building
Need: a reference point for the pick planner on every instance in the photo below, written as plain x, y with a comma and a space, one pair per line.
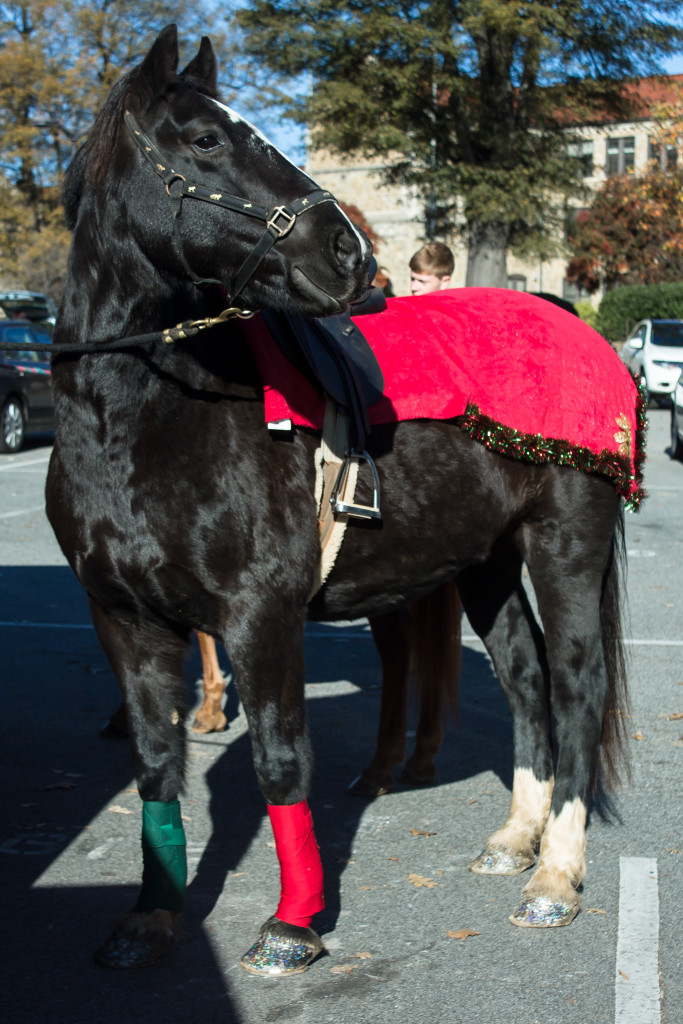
397, 214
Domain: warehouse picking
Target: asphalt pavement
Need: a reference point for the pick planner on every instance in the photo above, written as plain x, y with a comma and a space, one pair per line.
412, 936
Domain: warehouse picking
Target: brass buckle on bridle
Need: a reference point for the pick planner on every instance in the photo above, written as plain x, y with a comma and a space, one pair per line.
280, 211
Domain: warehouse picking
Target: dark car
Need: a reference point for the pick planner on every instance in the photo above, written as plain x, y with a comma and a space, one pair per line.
33, 306
26, 406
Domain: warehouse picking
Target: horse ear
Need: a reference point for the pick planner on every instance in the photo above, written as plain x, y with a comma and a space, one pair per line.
203, 67
159, 67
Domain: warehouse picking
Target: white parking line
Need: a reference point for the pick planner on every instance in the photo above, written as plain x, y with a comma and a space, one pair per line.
22, 511
636, 989
317, 635
23, 463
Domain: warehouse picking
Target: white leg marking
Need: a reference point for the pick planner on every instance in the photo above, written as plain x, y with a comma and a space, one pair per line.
637, 994
529, 810
563, 849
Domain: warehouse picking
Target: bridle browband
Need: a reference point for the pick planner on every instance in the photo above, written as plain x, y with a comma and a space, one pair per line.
279, 220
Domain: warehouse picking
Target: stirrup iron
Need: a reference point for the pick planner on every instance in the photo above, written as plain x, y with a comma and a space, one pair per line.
338, 491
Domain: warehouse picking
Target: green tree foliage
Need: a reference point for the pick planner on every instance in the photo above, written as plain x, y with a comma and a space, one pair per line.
57, 60
631, 234
622, 308
469, 100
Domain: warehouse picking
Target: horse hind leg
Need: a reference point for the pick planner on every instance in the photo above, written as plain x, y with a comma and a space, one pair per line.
392, 634
148, 665
575, 573
500, 613
425, 641
210, 716
435, 665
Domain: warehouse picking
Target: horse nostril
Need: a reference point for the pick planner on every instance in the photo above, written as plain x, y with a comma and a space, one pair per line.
346, 249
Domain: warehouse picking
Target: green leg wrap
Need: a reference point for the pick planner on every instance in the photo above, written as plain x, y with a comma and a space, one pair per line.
164, 872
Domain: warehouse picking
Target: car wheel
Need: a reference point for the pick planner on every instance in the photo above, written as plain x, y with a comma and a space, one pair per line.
676, 443
11, 426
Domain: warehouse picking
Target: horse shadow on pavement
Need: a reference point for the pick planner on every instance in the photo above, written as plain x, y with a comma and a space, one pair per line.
69, 868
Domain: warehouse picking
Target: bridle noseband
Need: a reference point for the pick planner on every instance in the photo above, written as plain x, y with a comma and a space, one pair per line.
279, 220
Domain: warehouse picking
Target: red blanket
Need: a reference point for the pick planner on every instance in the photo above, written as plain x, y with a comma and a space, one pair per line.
522, 375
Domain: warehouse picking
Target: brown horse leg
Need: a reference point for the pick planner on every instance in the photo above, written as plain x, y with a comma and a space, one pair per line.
436, 656
210, 717
392, 634
426, 640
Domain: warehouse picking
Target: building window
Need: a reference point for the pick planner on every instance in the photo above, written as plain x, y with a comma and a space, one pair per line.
621, 155
573, 292
517, 282
665, 157
583, 152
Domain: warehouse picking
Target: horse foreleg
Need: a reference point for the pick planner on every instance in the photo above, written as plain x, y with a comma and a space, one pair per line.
270, 680
151, 677
392, 634
210, 717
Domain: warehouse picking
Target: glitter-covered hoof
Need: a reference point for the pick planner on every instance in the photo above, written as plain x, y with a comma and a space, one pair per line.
138, 940
500, 862
368, 790
543, 912
282, 949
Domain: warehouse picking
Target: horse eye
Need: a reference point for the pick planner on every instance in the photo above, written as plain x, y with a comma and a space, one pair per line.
207, 142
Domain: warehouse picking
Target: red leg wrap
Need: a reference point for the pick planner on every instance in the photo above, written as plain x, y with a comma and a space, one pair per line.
301, 872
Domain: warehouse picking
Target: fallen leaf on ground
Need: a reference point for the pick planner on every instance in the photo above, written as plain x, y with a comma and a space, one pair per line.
594, 910
360, 956
624, 975
115, 809
637, 736
392, 858
418, 881
676, 716
463, 934
419, 832
344, 968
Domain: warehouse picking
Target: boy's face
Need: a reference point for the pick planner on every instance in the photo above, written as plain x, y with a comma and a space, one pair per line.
421, 284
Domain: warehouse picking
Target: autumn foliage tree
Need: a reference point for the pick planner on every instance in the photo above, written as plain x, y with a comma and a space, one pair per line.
57, 60
631, 234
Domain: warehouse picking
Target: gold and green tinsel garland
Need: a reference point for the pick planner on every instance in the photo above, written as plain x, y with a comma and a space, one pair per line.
539, 449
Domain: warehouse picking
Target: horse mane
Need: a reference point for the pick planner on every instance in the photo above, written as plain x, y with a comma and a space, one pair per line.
95, 155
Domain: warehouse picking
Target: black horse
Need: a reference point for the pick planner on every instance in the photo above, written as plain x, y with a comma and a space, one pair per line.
178, 510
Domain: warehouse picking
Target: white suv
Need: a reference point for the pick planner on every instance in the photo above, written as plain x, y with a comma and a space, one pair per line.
654, 350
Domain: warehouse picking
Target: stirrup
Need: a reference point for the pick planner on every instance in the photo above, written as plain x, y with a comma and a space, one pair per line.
337, 497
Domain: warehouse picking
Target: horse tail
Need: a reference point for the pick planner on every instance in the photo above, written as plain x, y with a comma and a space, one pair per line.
613, 762
436, 651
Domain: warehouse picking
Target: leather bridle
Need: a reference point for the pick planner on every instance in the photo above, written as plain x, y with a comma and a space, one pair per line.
279, 220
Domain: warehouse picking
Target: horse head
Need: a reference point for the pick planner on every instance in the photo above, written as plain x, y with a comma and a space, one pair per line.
204, 196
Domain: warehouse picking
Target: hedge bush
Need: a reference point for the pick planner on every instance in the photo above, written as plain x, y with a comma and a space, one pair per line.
621, 308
